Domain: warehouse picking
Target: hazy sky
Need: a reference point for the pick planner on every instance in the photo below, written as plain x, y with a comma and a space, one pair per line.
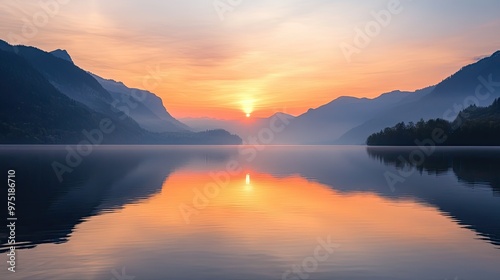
266, 55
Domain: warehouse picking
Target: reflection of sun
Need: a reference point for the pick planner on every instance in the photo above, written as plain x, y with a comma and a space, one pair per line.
248, 185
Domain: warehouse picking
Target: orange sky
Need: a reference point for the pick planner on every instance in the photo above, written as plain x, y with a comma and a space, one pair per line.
265, 56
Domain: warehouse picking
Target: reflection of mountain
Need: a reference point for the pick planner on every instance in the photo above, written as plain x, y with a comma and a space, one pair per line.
349, 169
48, 210
112, 177
474, 167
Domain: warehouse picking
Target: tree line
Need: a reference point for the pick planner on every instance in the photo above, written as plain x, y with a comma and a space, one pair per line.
474, 126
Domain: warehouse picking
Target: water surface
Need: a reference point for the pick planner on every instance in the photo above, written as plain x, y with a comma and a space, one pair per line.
241, 213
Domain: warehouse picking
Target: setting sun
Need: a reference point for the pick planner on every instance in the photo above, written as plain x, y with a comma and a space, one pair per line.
248, 115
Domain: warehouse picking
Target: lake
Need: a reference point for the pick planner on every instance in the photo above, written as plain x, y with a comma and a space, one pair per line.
270, 212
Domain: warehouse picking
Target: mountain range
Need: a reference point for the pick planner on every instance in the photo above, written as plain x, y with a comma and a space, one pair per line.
476, 84
46, 99
349, 120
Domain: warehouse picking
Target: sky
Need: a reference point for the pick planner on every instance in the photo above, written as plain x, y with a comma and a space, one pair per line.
228, 58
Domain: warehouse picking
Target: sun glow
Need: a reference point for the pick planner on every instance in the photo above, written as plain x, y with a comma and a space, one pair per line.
248, 106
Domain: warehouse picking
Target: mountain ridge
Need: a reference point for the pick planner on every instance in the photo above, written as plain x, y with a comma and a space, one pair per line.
39, 106
149, 112
457, 89
62, 54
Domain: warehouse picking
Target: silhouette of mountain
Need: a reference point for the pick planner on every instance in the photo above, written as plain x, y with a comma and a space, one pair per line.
49, 100
204, 123
68, 78
33, 111
62, 54
143, 106
248, 128
476, 83
328, 122
349, 120
148, 109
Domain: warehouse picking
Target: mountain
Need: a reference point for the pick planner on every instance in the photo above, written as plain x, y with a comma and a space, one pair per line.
62, 54
246, 128
49, 100
142, 106
349, 120
148, 109
476, 83
204, 123
330, 121
68, 78
475, 126
33, 111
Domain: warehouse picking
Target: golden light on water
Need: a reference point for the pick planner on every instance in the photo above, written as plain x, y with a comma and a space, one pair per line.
270, 212
248, 185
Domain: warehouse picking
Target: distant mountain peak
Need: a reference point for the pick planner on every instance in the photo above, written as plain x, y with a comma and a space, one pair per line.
281, 114
62, 54
346, 98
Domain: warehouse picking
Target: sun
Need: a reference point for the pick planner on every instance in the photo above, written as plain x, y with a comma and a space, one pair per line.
247, 107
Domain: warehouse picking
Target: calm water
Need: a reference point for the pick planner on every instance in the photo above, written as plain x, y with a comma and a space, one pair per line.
236, 213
